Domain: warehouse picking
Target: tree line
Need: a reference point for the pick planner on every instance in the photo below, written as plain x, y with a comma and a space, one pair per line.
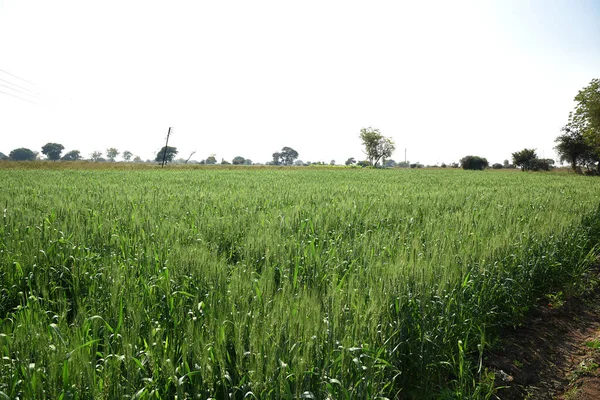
578, 145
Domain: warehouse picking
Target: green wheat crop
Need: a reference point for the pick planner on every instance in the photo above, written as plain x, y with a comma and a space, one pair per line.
276, 283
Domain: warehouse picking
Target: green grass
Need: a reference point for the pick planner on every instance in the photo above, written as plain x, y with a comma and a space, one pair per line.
276, 283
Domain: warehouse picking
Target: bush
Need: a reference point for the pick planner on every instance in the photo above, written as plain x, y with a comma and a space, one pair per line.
539, 164
474, 163
497, 166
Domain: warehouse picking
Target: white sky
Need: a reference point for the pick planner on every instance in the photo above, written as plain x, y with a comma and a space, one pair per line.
443, 78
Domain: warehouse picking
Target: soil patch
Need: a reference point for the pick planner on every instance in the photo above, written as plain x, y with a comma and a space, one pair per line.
555, 354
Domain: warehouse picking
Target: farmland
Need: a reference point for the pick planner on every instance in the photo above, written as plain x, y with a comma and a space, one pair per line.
277, 283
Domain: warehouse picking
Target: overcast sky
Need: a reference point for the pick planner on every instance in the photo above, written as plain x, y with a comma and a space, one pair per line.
444, 79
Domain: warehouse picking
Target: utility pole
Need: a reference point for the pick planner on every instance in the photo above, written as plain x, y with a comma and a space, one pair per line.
166, 147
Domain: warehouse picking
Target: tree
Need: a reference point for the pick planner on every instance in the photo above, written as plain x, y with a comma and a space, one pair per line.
389, 163
276, 158
137, 159
474, 163
166, 153
350, 161
586, 116
238, 160
3, 156
73, 155
111, 154
22, 154
524, 159
96, 156
211, 160
52, 150
127, 155
286, 156
573, 148
376, 145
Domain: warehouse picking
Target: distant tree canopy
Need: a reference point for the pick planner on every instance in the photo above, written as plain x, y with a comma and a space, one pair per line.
96, 156
524, 159
350, 161
22, 154
389, 163
239, 160
52, 151
286, 156
376, 145
111, 154
72, 155
474, 163
127, 155
3, 156
166, 153
527, 160
211, 160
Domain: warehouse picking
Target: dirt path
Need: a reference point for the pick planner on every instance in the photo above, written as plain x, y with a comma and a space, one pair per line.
554, 355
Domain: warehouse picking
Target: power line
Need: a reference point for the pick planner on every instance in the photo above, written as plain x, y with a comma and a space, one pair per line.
18, 77
18, 97
14, 84
16, 90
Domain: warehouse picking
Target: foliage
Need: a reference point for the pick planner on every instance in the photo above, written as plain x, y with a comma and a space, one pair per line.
364, 163
586, 116
579, 144
111, 154
127, 155
376, 145
527, 160
573, 148
238, 160
211, 160
3, 156
73, 155
52, 151
350, 161
524, 159
166, 153
275, 283
497, 166
286, 156
22, 154
474, 163
96, 156
389, 163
